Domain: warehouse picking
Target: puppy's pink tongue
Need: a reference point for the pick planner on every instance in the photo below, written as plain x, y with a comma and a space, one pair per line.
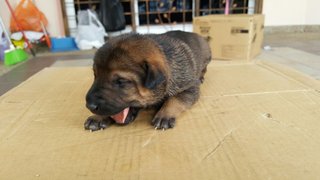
121, 116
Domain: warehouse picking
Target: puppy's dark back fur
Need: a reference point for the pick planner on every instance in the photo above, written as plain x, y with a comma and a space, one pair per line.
187, 54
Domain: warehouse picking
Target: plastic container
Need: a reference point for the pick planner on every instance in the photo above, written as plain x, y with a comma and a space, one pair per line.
63, 44
14, 56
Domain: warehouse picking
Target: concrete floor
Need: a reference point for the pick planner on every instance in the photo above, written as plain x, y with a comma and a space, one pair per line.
300, 51
308, 42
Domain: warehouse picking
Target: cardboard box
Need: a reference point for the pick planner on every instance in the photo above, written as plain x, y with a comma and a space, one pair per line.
253, 121
232, 36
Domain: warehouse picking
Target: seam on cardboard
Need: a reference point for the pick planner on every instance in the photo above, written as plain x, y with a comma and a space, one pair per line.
275, 70
149, 139
17, 124
269, 92
214, 150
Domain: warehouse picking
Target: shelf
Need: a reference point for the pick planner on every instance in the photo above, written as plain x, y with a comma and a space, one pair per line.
144, 11
168, 12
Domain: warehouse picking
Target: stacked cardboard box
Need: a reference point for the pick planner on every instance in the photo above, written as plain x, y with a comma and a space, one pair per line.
232, 36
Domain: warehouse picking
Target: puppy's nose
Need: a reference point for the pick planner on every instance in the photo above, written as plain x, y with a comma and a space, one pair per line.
92, 106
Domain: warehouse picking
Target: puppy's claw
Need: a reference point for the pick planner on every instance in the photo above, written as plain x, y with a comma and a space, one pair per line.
163, 123
93, 124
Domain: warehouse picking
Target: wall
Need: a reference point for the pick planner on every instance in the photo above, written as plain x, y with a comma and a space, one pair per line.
313, 12
51, 9
291, 12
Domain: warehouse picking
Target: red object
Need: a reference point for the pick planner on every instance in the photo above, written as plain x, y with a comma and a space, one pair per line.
47, 38
19, 28
28, 16
48, 41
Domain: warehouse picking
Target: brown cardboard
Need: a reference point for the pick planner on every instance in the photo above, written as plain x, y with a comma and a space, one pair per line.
232, 36
253, 121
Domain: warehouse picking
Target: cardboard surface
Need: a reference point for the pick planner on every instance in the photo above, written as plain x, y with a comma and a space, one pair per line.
253, 121
232, 36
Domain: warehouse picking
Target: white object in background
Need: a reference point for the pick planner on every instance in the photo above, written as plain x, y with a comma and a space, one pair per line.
251, 4
85, 45
31, 35
267, 48
157, 29
91, 32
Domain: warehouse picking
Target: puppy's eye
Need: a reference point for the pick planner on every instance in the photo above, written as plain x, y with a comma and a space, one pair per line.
121, 82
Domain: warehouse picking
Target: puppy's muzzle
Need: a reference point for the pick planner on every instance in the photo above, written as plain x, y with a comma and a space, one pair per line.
92, 106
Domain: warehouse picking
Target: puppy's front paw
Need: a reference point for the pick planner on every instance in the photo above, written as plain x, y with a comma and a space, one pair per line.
94, 123
163, 122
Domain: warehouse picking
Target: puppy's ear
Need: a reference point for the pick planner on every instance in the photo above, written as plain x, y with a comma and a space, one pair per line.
153, 77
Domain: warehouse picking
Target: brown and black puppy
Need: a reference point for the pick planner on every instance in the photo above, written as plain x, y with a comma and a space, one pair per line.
133, 72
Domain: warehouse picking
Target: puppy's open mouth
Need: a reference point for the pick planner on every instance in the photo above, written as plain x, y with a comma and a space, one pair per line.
125, 116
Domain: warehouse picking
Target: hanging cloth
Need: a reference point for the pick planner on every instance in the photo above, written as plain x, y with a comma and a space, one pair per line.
111, 15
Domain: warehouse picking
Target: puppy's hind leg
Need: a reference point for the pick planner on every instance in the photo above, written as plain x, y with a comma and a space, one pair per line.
173, 107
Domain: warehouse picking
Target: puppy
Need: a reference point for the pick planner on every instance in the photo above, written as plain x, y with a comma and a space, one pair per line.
134, 71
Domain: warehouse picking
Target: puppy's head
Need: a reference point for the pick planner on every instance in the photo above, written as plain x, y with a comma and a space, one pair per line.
129, 74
